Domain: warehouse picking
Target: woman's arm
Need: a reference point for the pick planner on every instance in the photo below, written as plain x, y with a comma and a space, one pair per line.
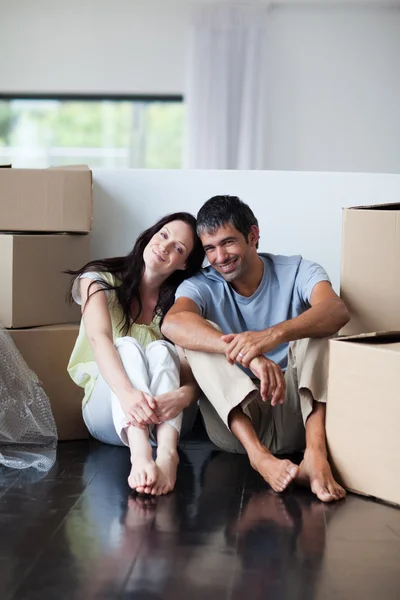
137, 406
169, 405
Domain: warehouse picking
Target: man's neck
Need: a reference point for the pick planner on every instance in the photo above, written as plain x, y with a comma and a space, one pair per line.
249, 282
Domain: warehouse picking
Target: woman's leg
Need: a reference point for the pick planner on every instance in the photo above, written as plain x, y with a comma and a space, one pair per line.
164, 365
98, 417
143, 473
167, 459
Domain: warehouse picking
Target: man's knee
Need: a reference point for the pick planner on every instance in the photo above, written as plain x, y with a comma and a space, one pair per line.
216, 429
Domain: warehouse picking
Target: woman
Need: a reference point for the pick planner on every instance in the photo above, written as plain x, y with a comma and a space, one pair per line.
120, 357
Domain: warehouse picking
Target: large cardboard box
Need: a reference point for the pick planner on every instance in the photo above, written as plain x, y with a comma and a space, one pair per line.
370, 272
33, 286
56, 199
363, 413
46, 350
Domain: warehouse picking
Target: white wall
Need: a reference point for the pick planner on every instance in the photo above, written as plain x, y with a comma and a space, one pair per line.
333, 89
333, 92
92, 46
298, 213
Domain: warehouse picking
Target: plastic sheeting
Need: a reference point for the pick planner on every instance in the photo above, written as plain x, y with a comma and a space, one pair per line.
28, 434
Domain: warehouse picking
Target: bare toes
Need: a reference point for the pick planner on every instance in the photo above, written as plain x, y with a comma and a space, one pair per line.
151, 479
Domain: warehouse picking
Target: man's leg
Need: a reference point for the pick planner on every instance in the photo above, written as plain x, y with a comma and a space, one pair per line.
306, 379
234, 416
315, 470
277, 472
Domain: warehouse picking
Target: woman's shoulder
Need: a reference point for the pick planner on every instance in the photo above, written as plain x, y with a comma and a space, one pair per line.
110, 280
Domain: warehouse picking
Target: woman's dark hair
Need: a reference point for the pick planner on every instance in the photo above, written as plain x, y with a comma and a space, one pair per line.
129, 270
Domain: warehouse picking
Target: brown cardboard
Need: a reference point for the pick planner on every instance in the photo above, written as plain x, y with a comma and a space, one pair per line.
370, 271
33, 286
56, 199
363, 413
46, 350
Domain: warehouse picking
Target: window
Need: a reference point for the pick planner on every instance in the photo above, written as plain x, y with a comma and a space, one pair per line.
112, 133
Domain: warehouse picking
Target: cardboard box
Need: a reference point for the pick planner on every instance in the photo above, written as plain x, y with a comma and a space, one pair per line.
370, 272
46, 350
363, 413
33, 286
57, 199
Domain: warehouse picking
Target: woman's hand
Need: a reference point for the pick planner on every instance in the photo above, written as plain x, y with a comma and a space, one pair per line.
170, 404
139, 409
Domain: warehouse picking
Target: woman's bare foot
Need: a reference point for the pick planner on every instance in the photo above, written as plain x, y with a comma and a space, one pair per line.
167, 464
315, 473
144, 472
278, 473
141, 510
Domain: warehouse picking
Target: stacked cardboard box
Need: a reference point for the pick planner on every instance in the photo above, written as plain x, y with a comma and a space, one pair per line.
45, 224
363, 412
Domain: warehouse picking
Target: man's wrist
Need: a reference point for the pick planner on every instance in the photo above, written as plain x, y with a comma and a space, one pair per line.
279, 334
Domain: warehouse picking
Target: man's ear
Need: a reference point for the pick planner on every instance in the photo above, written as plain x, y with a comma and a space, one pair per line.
254, 235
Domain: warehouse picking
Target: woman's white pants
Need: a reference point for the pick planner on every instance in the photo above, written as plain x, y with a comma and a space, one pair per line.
154, 370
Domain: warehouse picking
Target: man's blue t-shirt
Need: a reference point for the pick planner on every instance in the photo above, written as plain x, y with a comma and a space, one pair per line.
284, 293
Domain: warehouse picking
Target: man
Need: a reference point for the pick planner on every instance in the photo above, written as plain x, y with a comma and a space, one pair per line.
274, 315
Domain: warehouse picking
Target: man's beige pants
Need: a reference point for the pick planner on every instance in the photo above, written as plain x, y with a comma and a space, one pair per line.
280, 428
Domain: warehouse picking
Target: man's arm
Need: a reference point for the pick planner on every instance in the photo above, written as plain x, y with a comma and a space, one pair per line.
184, 326
327, 315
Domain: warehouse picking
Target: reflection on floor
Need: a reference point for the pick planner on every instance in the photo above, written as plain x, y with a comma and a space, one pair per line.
78, 533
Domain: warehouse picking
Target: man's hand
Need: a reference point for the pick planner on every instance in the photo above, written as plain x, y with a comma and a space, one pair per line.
139, 408
243, 347
169, 405
272, 380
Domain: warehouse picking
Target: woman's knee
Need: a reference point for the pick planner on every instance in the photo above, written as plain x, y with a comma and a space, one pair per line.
162, 350
131, 353
215, 325
161, 344
127, 342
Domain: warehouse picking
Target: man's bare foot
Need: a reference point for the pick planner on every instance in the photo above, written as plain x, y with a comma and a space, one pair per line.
167, 464
262, 507
278, 473
143, 474
315, 473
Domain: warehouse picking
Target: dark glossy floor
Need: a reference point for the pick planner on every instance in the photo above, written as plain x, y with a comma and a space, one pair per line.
77, 532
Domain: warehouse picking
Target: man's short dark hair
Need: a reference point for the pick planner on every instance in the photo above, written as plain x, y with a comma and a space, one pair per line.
218, 211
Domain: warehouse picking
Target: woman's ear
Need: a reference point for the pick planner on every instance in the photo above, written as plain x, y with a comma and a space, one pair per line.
183, 267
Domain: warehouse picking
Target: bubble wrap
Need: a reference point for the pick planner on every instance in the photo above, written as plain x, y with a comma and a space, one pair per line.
27, 427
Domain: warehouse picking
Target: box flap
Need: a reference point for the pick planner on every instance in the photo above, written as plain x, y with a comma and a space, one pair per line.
376, 337
384, 206
70, 168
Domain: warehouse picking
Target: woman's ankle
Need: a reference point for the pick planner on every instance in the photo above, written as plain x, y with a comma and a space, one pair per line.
139, 443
